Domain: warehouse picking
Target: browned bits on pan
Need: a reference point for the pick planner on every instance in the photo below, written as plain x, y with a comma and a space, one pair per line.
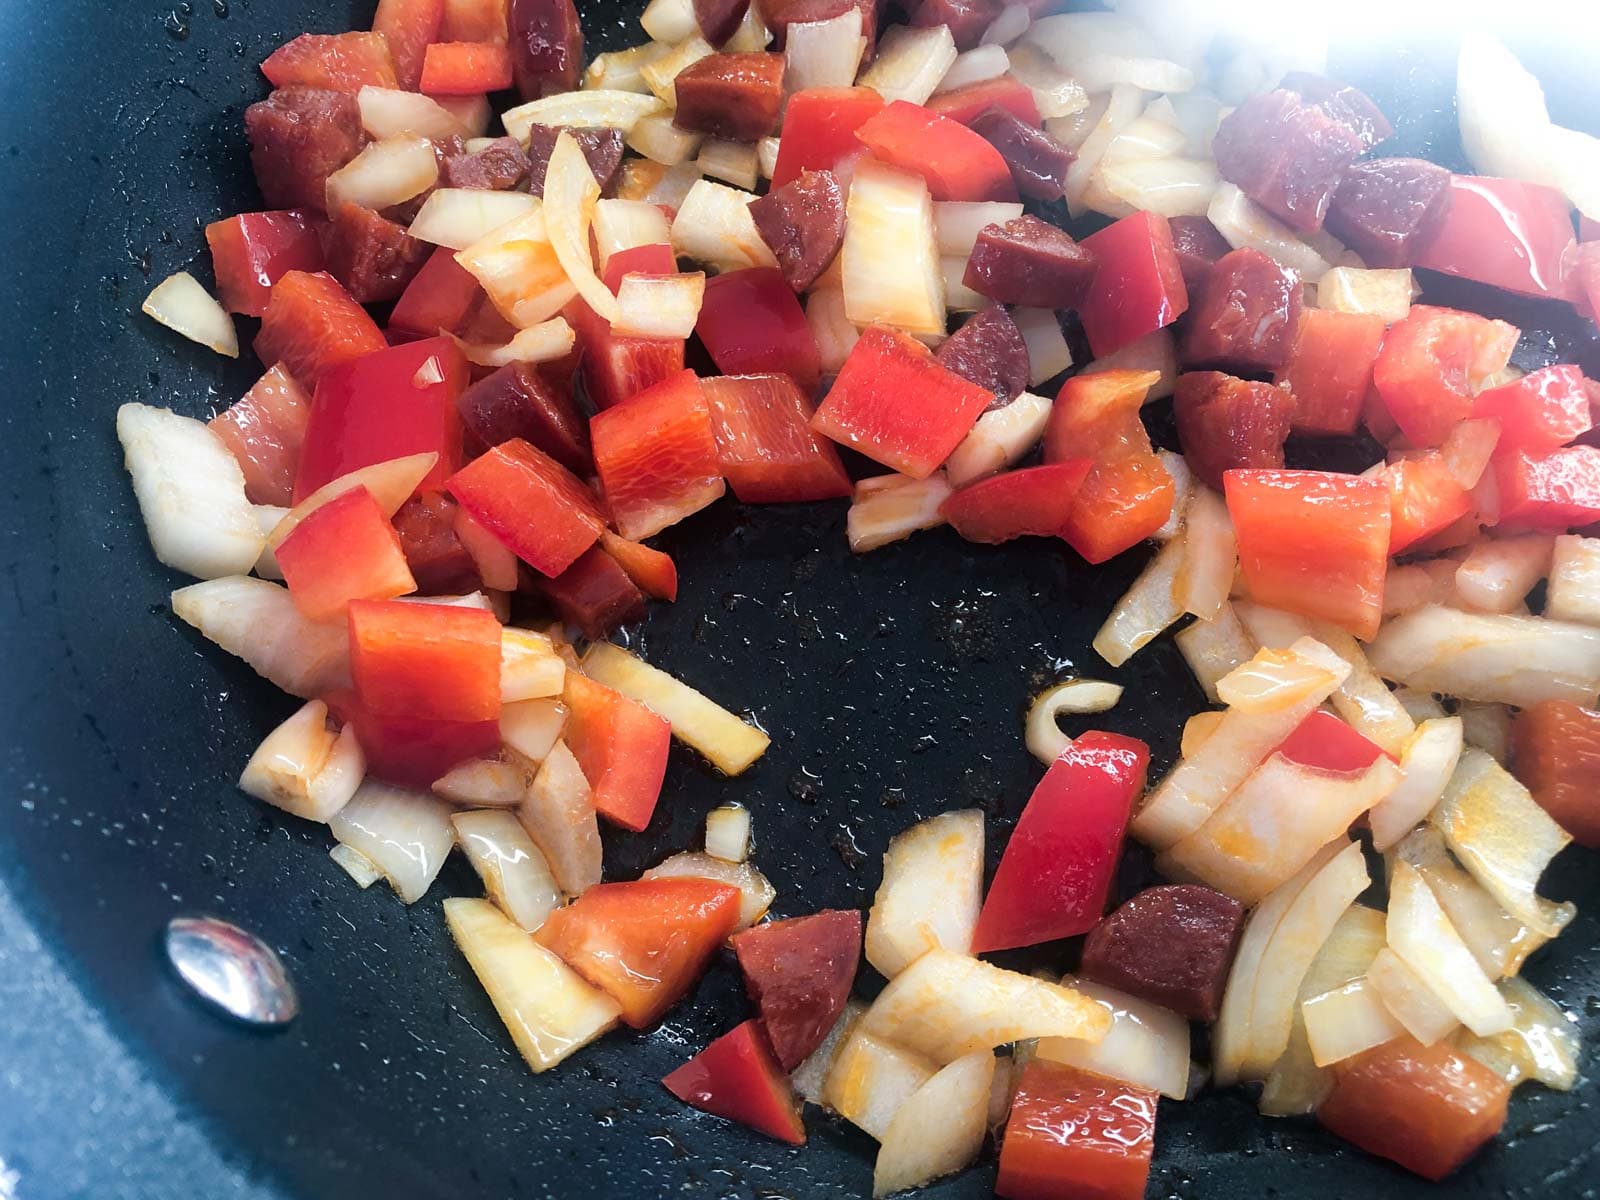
1225, 423
298, 137
737, 97
602, 150
988, 350
1025, 261
1388, 209
1038, 161
1171, 945
1286, 155
718, 19
1199, 244
802, 223
1350, 106
1246, 315
499, 166
546, 46
372, 256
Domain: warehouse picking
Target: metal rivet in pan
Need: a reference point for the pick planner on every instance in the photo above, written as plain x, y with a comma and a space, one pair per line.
233, 969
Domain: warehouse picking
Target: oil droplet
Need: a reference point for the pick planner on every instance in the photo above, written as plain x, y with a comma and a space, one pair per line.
220, 7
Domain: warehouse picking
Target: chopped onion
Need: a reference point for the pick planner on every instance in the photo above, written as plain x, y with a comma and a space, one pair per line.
385, 173
521, 270
931, 892
355, 864
391, 113
958, 297
978, 65
1197, 113
1279, 677
622, 70
1210, 558
670, 21
1574, 590
910, 62
1243, 224
870, 1079
1121, 108
1508, 659
1425, 940
1543, 1043
1215, 648
1147, 1045
190, 491
304, 768
1505, 126
728, 833
258, 622
485, 783
1155, 351
890, 258
1420, 706
731, 162
1056, 94
1076, 697
1073, 128
1426, 764
406, 834
1409, 1000
1148, 607
582, 110
659, 139
956, 223
939, 1128
756, 893
1387, 292
390, 483
1407, 588
544, 342
1103, 50
267, 518
570, 193
460, 217
1486, 727
533, 727
809, 1077
655, 184
714, 225
497, 566
530, 668
659, 306
513, 870
751, 35
1498, 573
823, 53
887, 508
1147, 136
624, 224
1011, 24
1173, 187
767, 155
1346, 1021
661, 75
833, 331
184, 306
1048, 354
558, 813
1182, 484
1000, 437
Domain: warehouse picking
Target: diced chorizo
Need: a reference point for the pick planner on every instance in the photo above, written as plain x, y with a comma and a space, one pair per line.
719, 19
1388, 209
519, 402
1225, 423
802, 223
1199, 244
595, 594
298, 137
602, 150
1028, 262
737, 97
1350, 106
988, 350
441, 565
1171, 945
967, 20
778, 15
1286, 155
1245, 316
546, 46
499, 166
372, 256
1038, 161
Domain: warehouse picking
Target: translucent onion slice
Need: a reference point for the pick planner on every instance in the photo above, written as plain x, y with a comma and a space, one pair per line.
1210, 558
1173, 187
1155, 351
581, 110
659, 306
870, 1080
1147, 609
1215, 648
305, 768
660, 140
1387, 292
732, 162
258, 622
1244, 224
661, 75
1147, 136
385, 173
391, 484
1056, 94
1347, 1021
1498, 573
355, 864
460, 217
1048, 353
978, 65
1543, 1044
184, 306
544, 342
931, 892
823, 53
558, 813
406, 834
1419, 706
624, 224
1421, 934
956, 223
1505, 126
570, 194
910, 62
756, 893
752, 34
1006, 28
1426, 764
656, 184
532, 727
1076, 697
809, 1077
890, 258
887, 508
622, 70
520, 269
513, 870
530, 668
714, 226
958, 297
670, 21
999, 438
1103, 49
728, 833
1410, 1001
1122, 107
1574, 588
390, 113
939, 1128
267, 518
832, 330
1147, 1045
767, 155
1197, 113
1486, 727
1277, 678
485, 782
1182, 485
497, 566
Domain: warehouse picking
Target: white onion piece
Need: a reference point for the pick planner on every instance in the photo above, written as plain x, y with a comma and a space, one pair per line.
1244, 224
190, 491
756, 893
999, 438
1076, 697
513, 870
485, 783
305, 768
385, 173
520, 269
661, 75
810, 1076
1121, 108
1147, 136
1072, 129
977, 65
1182, 484
258, 622
472, 111
581, 110
931, 891
184, 306
1215, 648
939, 1128
558, 813
1173, 187
870, 1079
751, 34
1426, 764
530, 668
267, 518
1421, 934
1147, 1045
910, 62
1408, 587
1346, 1021
1103, 50
1505, 126
460, 217
1280, 674
544, 342
1155, 351
1048, 353
659, 306
1197, 113
833, 331
669, 21
732, 162
390, 113
356, 865
1210, 559
624, 224
390, 483
1498, 573
533, 727
1499, 941
767, 156
728, 833
887, 508
481, 601
1006, 28
659, 139
958, 297
1575, 159
497, 566
622, 70
1574, 588
1409, 1000
1543, 1044
1056, 93
1486, 727
823, 53
1420, 706
570, 193
714, 226
655, 184
890, 256
1508, 659
1148, 607
1387, 292
406, 834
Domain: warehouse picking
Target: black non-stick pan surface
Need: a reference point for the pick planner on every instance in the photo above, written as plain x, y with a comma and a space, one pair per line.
893, 686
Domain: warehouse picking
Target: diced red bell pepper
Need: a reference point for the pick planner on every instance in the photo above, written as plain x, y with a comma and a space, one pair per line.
265, 429
621, 746
737, 1077
654, 259
819, 128
1551, 492
1427, 1108
345, 550
412, 751
1430, 365
645, 942
340, 62
1424, 498
1097, 416
1075, 1136
465, 69
435, 662
439, 561
1541, 411
1058, 867
595, 594
956, 162
398, 401
540, 510
657, 456
312, 325
408, 26
1034, 500
1324, 742
1139, 286
1007, 92
1313, 542
765, 444
1506, 233
617, 367
439, 298
653, 572
1330, 369
252, 251
895, 404
475, 21
799, 972
751, 324
1555, 751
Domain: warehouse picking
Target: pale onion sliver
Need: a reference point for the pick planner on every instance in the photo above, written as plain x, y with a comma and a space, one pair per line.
184, 306
1147, 609
1076, 697
1427, 762
544, 342
530, 668
659, 306
305, 768
1425, 940
485, 782
390, 483
1347, 1021
728, 833
1211, 556
1155, 351
910, 62
978, 65
1048, 352
624, 224
1012, 23
823, 53
1124, 105
1544, 1044
1245, 225
887, 508
714, 225
570, 194
355, 864
1147, 1045
594, 109
1215, 648
513, 869
389, 113
833, 331
257, 621
1183, 484
662, 74
1000, 437
267, 518
385, 173
737, 163
1173, 187
939, 1128
670, 21
460, 217
407, 834
660, 140
890, 259
956, 223
1409, 1000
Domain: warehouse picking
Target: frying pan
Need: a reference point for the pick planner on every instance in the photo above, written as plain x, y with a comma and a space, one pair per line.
893, 686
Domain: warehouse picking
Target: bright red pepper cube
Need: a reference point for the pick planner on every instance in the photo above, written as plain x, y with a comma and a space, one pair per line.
1551, 492
956, 163
1008, 93
408, 27
1431, 364
617, 367
345, 550
1326, 743
1076, 1136
440, 297
765, 444
252, 251
434, 662
465, 69
1139, 286
1512, 235
622, 747
657, 456
819, 128
751, 324
1543, 410
738, 1077
311, 325
1424, 498
1330, 369
265, 429
1033, 500
412, 751
544, 514
340, 62
895, 404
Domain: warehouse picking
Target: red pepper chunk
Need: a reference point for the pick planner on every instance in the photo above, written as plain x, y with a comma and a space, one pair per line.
1427, 1108
439, 298
433, 662
765, 444
644, 943
1506, 233
1313, 542
1072, 1135
819, 128
1432, 362
653, 572
412, 751
1424, 498
1324, 742
1139, 286
657, 456
1543, 410
1555, 751
465, 69
1329, 370
967, 104
799, 972
738, 1078
895, 404
956, 162
408, 27
1551, 492
621, 746
1058, 867
265, 429
346, 550
312, 325
540, 510
751, 324
617, 367
252, 251
395, 402
340, 62
654, 259
1034, 500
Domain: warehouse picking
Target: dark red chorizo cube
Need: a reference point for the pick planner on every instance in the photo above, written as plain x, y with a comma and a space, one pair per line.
1038, 161
1171, 945
602, 150
988, 350
967, 20
1245, 316
1387, 210
1286, 155
1350, 106
518, 402
1028, 262
499, 166
737, 97
298, 137
802, 223
1198, 244
373, 257
1225, 423
595, 594
439, 562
